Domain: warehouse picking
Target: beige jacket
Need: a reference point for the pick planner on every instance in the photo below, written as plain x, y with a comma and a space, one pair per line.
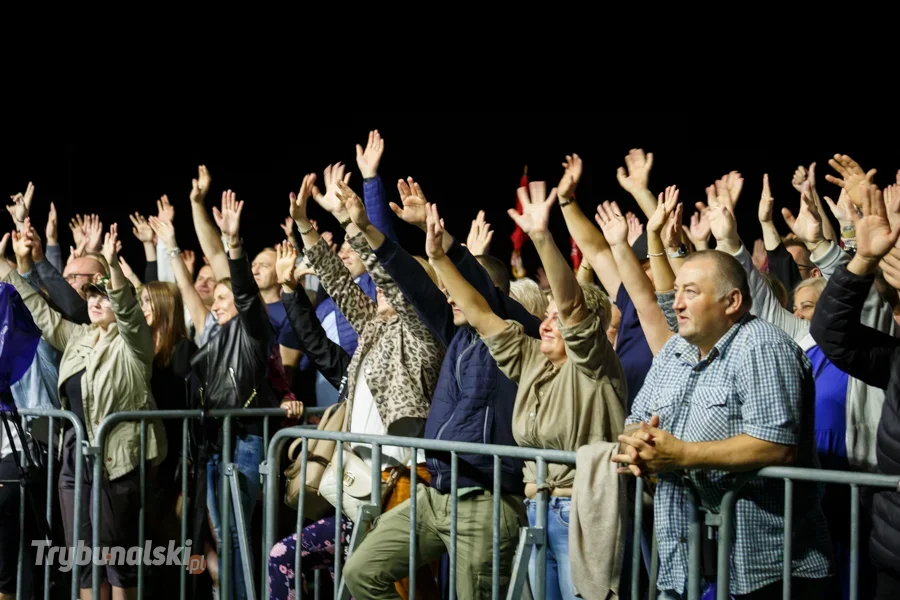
562, 408
599, 509
118, 364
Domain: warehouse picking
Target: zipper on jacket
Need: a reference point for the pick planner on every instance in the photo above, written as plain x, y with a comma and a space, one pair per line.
487, 413
460, 357
449, 420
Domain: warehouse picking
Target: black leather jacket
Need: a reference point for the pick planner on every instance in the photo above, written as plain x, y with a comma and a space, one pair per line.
327, 357
232, 366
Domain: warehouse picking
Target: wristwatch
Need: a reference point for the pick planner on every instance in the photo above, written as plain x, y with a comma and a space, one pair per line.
679, 252
228, 246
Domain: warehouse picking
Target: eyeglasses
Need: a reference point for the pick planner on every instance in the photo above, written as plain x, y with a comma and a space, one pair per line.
73, 276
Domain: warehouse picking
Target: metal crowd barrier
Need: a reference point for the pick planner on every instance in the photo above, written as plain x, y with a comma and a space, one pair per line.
529, 537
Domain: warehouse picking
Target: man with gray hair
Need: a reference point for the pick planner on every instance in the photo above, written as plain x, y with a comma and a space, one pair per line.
729, 394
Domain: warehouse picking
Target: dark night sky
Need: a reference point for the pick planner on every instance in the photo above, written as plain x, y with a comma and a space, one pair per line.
464, 162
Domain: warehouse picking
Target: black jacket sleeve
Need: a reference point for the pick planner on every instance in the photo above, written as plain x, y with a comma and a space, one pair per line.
861, 351
70, 304
502, 305
783, 267
251, 310
328, 358
417, 287
151, 272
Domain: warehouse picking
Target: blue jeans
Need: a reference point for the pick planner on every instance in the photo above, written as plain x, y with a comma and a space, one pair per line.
248, 454
559, 575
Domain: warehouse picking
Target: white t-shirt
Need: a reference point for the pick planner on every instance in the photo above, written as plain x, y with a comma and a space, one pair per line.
365, 419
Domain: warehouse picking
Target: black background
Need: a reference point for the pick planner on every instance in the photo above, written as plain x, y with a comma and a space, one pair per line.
464, 161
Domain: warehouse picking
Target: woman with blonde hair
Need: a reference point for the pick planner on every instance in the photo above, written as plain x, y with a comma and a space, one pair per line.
528, 293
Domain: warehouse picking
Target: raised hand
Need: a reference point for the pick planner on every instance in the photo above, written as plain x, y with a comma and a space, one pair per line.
190, 260
571, 177
285, 263
759, 256
368, 160
76, 226
807, 226
52, 229
287, 227
4, 242
612, 223
734, 183
166, 212
165, 231
635, 228
724, 227
671, 233
665, 206
698, 231
109, 245
434, 233
141, 230
329, 200
852, 176
767, 202
228, 218
353, 205
536, 206
127, 271
93, 232
799, 178
200, 186
413, 201
300, 200
480, 235
21, 206
22, 245
638, 171
875, 235
843, 210
37, 248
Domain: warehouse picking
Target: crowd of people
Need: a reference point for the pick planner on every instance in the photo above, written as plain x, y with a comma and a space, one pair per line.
669, 350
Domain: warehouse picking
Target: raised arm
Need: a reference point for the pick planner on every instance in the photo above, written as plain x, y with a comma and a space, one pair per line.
663, 275
54, 252
634, 180
130, 319
55, 329
373, 188
21, 207
413, 208
328, 358
534, 221
196, 308
207, 233
637, 284
358, 308
467, 299
249, 304
595, 249
861, 351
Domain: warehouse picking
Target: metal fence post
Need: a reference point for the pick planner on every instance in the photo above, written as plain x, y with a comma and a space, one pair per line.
540, 580
788, 539
413, 484
495, 548
225, 513
636, 539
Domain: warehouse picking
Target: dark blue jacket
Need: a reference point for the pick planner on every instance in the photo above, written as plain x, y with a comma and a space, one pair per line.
474, 400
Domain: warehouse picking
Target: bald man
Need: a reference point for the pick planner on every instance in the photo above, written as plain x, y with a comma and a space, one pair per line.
81, 271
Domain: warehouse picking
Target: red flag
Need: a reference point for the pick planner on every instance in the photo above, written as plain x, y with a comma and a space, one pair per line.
575, 254
519, 237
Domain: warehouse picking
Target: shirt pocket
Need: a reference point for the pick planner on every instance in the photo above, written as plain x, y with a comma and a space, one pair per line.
664, 404
712, 413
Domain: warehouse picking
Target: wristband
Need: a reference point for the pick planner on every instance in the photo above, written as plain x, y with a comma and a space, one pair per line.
307, 231
346, 223
567, 202
228, 246
848, 232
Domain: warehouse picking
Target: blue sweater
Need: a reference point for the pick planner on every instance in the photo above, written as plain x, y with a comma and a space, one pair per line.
474, 400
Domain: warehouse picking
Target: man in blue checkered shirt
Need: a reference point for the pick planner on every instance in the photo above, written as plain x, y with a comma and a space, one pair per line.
730, 393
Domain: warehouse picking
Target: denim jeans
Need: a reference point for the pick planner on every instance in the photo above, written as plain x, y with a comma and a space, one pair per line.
248, 454
559, 575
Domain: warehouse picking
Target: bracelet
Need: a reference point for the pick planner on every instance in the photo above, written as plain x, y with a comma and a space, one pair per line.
228, 246
567, 202
307, 231
173, 252
663, 253
848, 232
819, 243
346, 223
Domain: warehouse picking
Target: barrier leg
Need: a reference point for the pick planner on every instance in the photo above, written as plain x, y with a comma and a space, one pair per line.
240, 523
519, 576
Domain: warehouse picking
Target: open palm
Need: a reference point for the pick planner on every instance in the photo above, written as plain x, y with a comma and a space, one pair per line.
229, 217
808, 224
329, 200
536, 205
612, 223
412, 203
874, 235
300, 200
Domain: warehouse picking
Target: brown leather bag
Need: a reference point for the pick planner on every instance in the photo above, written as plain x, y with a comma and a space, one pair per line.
319, 455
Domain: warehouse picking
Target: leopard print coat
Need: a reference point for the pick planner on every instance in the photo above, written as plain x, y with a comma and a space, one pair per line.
402, 357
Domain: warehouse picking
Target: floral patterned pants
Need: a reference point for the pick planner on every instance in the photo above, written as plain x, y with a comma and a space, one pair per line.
316, 552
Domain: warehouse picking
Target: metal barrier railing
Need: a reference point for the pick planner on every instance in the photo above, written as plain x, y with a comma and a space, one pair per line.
227, 481
529, 536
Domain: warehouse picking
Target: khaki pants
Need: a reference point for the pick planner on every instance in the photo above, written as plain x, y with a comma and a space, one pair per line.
383, 557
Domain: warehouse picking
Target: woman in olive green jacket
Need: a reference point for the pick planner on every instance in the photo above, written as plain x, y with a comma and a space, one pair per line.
105, 368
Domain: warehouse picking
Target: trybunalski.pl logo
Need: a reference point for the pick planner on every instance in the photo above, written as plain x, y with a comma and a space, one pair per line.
149, 555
